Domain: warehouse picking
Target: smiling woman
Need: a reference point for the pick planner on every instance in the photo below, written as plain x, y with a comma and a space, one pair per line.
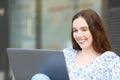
92, 57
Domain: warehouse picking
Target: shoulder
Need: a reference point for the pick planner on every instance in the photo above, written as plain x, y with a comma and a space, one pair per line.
69, 52
111, 58
111, 55
66, 50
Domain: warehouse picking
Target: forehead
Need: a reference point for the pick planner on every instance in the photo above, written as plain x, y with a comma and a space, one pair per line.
80, 22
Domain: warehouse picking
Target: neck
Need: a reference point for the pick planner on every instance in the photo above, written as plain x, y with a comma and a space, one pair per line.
90, 51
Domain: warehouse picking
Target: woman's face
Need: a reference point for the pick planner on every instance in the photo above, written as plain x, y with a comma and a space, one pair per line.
81, 33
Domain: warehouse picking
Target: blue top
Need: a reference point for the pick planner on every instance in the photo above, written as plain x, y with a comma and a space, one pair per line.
105, 67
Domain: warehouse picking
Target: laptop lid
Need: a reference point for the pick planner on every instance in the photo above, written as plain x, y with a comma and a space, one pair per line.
26, 63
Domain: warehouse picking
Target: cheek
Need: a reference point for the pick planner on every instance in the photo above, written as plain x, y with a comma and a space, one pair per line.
74, 35
89, 35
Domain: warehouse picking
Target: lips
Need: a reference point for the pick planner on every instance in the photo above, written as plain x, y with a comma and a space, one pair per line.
81, 41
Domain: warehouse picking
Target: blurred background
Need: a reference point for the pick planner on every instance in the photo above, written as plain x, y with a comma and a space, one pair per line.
46, 24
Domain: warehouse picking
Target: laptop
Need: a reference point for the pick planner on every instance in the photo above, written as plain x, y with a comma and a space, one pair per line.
25, 63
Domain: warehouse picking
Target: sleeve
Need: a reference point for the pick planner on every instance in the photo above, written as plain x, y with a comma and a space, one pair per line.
69, 54
116, 69
116, 73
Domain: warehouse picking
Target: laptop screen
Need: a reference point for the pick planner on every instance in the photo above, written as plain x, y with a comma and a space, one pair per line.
26, 63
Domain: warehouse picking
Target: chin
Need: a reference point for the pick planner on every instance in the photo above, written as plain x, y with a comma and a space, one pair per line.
84, 47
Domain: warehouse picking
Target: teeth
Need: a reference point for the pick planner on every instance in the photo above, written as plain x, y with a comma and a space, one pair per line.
81, 41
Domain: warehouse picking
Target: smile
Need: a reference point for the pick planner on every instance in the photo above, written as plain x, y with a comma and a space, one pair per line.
82, 41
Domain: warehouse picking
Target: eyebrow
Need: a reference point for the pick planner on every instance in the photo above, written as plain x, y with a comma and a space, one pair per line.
80, 27
84, 27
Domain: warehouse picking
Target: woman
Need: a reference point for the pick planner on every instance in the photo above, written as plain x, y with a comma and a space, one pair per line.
91, 57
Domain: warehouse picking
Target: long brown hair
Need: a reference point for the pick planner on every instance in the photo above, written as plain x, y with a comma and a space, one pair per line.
101, 42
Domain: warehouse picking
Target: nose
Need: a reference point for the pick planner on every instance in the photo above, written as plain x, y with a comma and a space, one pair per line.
79, 34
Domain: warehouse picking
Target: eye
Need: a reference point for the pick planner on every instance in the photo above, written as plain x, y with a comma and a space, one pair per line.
84, 29
74, 30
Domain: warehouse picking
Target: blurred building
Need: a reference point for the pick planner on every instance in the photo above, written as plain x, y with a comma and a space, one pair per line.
44, 24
